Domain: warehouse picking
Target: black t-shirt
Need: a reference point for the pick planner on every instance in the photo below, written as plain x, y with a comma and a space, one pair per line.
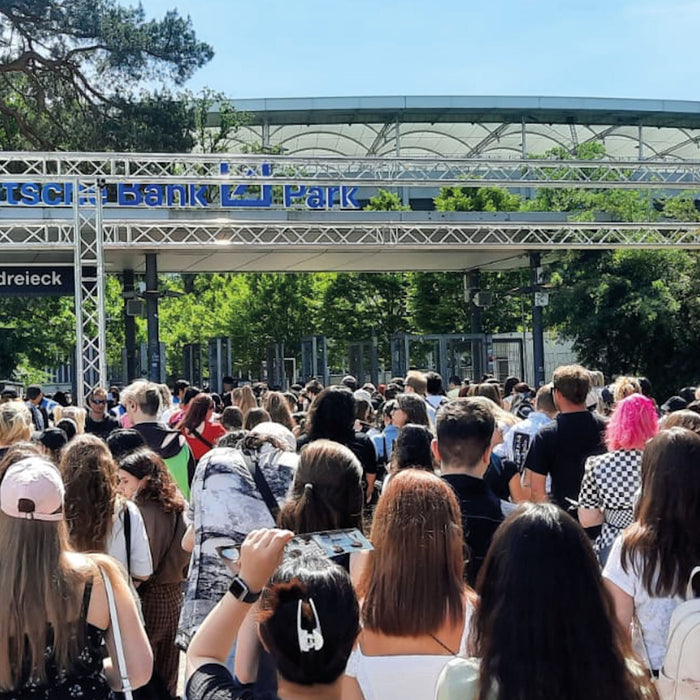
101, 428
360, 445
481, 516
561, 449
214, 682
498, 475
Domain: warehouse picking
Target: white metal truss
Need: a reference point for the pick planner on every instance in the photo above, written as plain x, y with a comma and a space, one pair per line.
407, 235
149, 235
88, 262
112, 168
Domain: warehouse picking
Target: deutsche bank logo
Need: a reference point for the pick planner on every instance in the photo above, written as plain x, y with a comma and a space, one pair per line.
314, 197
188, 194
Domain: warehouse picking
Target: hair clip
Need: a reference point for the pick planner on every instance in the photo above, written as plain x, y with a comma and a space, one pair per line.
309, 640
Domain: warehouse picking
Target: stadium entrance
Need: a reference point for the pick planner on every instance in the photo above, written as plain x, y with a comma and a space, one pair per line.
145, 213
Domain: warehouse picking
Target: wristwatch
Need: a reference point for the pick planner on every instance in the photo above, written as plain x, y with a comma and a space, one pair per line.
239, 590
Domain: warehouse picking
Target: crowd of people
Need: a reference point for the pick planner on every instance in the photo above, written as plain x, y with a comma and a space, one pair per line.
526, 543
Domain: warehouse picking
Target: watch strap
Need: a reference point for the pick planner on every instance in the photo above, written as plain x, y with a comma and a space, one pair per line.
239, 589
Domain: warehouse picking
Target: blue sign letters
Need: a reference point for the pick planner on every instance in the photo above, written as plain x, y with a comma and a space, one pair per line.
191, 195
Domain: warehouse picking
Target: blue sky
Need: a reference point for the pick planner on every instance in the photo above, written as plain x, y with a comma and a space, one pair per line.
598, 48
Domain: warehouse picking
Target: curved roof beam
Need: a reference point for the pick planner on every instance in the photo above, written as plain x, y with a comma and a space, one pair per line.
335, 134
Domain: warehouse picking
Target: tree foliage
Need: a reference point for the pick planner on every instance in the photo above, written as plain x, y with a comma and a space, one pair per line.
632, 311
76, 73
386, 201
476, 199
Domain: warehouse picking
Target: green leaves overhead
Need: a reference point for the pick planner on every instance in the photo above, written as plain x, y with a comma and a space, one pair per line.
91, 75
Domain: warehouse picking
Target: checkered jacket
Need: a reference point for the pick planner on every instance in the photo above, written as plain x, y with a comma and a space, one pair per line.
609, 483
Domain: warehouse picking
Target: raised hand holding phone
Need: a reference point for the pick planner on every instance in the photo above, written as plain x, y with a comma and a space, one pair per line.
261, 554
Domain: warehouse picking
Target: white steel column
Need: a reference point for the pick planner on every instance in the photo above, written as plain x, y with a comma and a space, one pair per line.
91, 337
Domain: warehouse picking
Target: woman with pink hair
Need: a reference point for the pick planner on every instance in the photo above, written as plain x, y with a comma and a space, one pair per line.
611, 480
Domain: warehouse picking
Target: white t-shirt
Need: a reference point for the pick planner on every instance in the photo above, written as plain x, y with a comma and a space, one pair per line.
141, 562
654, 614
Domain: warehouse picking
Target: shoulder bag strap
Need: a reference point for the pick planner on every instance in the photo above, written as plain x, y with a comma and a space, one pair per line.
127, 537
116, 633
261, 483
689, 592
201, 438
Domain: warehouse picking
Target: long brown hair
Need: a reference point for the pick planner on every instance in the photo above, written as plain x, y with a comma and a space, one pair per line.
412, 583
327, 490
278, 407
197, 411
663, 544
158, 485
90, 476
39, 589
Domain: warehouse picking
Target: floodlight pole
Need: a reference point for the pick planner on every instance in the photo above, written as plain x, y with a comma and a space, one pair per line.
474, 288
537, 328
129, 328
152, 297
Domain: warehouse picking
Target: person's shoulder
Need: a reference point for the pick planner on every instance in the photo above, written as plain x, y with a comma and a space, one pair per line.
81, 563
151, 509
134, 511
216, 429
547, 431
599, 420
222, 460
597, 462
362, 440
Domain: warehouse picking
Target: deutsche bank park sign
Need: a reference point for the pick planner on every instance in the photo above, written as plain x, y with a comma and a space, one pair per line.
191, 195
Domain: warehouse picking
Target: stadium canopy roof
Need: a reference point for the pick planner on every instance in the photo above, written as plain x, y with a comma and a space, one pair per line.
470, 126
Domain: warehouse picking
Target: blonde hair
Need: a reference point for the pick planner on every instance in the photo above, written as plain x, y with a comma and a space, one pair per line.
499, 414
166, 398
146, 394
15, 423
597, 378
34, 578
74, 413
624, 387
244, 398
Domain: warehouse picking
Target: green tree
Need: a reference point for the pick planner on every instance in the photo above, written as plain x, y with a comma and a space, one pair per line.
215, 120
476, 199
355, 306
386, 201
437, 299
36, 333
66, 64
64, 68
632, 311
